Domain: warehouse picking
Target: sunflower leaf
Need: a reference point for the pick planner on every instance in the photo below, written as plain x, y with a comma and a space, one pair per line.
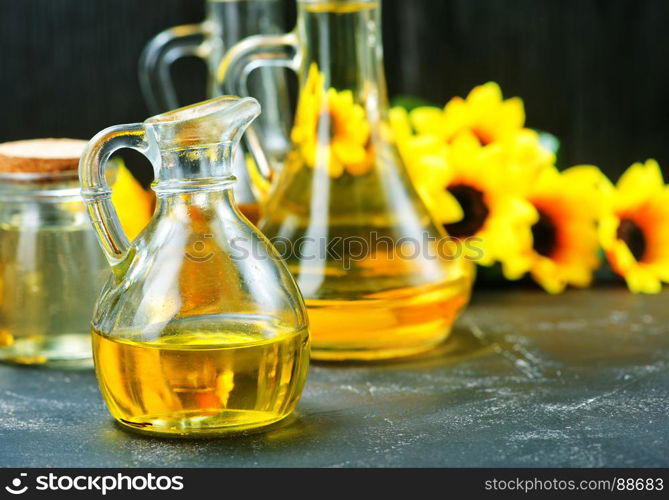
409, 102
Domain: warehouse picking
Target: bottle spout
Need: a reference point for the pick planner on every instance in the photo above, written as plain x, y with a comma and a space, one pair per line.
219, 120
198, 141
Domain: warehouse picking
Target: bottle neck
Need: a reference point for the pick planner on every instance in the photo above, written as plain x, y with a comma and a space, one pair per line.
342, 39
194, 184
200, 168
197, 208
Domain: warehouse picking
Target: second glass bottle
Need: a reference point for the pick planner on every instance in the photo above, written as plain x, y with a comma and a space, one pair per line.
379, 278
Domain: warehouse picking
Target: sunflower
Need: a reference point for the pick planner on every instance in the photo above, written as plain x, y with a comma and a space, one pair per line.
565, 245
472, 192
331, 129
134, 204
484, 114
634, 232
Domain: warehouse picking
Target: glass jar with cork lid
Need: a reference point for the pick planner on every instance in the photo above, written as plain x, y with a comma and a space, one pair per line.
51, 267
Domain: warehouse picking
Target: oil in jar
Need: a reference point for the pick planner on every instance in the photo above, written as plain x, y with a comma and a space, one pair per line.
49, 277
201, 379
389, 324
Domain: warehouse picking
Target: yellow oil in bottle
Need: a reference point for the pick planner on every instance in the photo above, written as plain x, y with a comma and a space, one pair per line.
386, 325
195, 381
386, 304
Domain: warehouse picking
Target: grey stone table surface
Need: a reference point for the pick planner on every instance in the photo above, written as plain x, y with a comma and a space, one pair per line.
526, 380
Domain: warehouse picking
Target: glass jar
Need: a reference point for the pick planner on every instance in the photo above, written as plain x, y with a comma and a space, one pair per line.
51, 266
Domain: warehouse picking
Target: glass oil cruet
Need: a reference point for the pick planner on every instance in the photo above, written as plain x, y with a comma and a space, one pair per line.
370, 262
200, 329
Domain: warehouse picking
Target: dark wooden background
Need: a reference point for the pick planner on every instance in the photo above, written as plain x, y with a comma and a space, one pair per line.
593, 72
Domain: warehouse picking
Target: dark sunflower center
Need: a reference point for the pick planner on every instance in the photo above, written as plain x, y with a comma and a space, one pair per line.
326, 128
630, 232
544, 234
475, 209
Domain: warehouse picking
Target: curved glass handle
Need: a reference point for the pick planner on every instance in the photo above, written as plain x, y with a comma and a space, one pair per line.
233, 73
97, 193
159, 54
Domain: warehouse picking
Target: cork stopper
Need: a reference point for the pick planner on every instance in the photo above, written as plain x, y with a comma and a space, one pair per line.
41, 156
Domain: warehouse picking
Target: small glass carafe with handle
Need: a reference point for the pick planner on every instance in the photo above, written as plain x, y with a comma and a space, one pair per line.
200, 329
379, 278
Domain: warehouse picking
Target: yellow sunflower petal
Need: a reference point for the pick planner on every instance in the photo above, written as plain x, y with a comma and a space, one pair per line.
544, 272
639, 182
512, 113
134, 204
465, 144
521, 210
444, 207
427, 120
624, 260
578, 276
485, 98
584, 175
455, 118
335, 168
641, 281
476, 250
348, 153
515, 268
608, 226
401, 126
431, 171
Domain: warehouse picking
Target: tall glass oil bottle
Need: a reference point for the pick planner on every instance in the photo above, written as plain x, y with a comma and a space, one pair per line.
379, 279
200, 328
